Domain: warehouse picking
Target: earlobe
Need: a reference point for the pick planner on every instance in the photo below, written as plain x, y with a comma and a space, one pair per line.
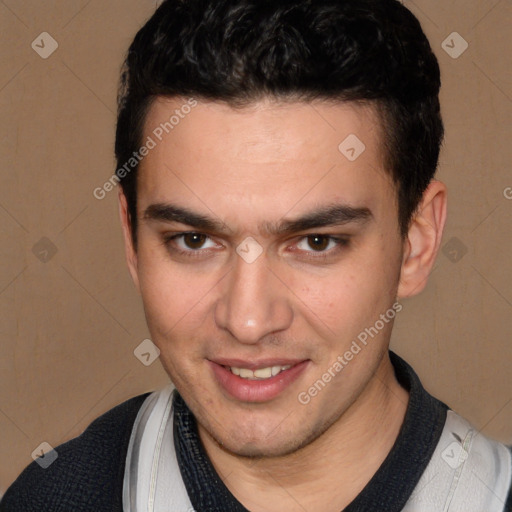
130, 252
423, 240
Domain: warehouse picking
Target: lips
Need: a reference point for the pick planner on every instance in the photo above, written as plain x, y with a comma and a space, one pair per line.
256, 381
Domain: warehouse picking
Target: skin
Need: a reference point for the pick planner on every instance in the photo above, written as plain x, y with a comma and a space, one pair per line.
251, 169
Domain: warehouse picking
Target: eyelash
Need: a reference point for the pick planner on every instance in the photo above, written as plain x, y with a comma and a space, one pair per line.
341, 242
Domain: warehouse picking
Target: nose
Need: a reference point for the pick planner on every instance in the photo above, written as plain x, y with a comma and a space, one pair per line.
254, 302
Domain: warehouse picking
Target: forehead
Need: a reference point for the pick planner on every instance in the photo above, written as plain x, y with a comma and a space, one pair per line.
211, 154
283, 127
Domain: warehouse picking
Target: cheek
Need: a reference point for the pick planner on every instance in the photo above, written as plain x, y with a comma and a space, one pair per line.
172, 295
344, 301
175, 311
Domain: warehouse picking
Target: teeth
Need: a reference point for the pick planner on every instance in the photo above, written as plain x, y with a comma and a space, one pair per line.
275, 370
260, 373
246, 374
263, 373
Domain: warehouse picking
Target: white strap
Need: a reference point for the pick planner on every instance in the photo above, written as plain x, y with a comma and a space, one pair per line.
152, 479
467, 473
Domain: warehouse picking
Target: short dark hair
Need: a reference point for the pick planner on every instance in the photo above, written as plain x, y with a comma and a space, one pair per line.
240, 51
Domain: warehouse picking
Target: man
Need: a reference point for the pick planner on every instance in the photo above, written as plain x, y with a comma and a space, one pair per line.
278, 199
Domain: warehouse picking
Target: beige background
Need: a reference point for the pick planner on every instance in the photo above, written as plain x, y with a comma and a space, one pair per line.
69, 325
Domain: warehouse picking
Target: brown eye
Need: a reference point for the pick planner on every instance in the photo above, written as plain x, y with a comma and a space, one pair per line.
321, 246
318, 242
190, 245
194, 240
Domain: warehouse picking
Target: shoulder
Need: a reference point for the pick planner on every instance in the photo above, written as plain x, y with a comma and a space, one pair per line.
472, 470
508, 505
88, 472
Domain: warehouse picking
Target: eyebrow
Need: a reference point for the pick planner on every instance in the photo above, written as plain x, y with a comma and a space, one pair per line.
330, 215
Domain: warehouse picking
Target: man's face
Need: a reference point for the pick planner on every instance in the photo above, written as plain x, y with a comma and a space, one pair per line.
321, 266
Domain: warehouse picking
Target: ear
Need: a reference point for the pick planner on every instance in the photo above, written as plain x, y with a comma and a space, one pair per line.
130, 252
423, 240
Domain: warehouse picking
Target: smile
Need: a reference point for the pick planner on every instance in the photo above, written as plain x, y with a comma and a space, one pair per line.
256, 381
260, 374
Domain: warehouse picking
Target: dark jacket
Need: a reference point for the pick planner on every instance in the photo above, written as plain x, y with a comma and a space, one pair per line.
87, 474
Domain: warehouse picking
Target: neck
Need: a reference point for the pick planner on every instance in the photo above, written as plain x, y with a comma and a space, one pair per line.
343, 459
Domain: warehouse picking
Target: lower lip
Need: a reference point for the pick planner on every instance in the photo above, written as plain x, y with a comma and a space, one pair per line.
264, 390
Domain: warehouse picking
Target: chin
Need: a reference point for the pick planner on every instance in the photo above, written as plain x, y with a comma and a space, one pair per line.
273, 442
261, 448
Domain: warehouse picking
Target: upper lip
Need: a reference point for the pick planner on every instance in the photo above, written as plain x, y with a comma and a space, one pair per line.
255, 365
